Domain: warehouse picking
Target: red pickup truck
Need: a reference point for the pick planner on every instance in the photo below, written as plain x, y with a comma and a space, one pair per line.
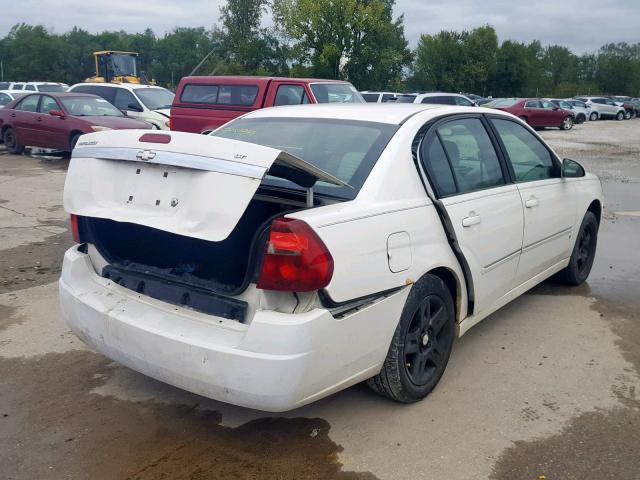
202, 104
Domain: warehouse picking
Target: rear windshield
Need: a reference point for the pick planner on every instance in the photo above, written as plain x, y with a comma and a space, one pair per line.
336, 93
89, 107
347, 149
503, 102
240, 95
52, 88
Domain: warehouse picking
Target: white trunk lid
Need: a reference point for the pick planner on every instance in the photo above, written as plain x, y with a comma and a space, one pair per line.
193, 185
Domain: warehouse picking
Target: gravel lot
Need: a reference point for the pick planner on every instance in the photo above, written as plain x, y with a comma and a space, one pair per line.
546, 386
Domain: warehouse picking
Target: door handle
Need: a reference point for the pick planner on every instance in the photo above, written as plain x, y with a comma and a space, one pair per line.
39, 119
532, 202
13, 115
472, 219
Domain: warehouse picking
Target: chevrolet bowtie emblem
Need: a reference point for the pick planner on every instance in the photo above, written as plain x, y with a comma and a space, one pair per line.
145, 155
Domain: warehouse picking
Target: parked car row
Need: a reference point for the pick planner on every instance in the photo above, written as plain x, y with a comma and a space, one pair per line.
35, 86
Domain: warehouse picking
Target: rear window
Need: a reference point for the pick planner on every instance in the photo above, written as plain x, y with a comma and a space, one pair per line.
350, 155
406, 99
503, 103
370, 97
4, 85
52, 88
242, 95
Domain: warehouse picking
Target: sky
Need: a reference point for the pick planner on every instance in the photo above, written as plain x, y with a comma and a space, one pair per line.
581, 25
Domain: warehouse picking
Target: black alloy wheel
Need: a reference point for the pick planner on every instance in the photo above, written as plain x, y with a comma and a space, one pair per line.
426, 341
421, 344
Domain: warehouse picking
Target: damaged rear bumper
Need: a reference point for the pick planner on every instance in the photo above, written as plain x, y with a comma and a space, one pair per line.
277, 362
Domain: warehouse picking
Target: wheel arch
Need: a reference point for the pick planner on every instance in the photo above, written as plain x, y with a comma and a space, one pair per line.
596, 208
454, 285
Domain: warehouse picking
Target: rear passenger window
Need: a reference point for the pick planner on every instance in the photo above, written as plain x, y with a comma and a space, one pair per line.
529, 157
471, 155
438, 100
533, 104
29, 104
124, 98
243, 95
439, 168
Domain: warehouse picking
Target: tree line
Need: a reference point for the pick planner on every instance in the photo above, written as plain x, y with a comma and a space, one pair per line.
356, 40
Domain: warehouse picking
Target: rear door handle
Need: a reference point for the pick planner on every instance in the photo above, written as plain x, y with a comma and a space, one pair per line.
532, 202
13, 115
472, 219
39, 119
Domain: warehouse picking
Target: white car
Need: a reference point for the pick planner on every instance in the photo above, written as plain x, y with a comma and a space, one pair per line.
40, 86
607, 108
299, 250
590, 111
379, 97
436, 98
142, 102
7, 96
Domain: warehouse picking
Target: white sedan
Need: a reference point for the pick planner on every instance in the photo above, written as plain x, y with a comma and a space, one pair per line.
299, 250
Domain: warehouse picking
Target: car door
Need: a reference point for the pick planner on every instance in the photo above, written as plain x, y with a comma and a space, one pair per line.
24, 119
552, 114
484, 209
288, 94
51, 130
549, 200
125, 101
533, 112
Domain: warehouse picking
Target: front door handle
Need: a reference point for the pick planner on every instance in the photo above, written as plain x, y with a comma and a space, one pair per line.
39, 119
13, 115
532, 202
472, 219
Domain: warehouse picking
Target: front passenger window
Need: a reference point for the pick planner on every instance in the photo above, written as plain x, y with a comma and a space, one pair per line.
529, 157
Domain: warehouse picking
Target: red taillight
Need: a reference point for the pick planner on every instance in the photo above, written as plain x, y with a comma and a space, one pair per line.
296, 259
170, 123
75, 231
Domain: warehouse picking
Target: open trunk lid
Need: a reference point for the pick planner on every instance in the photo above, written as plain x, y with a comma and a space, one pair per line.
188, 184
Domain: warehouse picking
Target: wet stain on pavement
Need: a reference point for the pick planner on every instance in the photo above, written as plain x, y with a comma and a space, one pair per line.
34, 264
7, 317
46, 404
594, 446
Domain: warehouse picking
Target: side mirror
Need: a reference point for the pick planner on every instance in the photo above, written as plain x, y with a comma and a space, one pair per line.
134, 107
555, 109
57, 113
572, 169
124, 112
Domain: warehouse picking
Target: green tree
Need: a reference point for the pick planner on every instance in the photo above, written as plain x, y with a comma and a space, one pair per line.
352, 39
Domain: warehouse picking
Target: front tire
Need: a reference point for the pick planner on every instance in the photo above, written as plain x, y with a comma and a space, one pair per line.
627, 114
421, 344
11, 142
584, 252
581, 118
567, 124
620, 116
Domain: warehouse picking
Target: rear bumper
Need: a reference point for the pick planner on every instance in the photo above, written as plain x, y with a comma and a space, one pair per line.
278, 362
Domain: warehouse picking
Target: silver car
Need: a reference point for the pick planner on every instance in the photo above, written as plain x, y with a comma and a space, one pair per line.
606, 107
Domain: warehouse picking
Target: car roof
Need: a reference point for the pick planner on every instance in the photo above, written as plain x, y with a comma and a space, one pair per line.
130, 86
390, 113
58, 94
257, 80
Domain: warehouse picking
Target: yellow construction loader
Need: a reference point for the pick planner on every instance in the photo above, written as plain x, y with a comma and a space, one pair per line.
117, 67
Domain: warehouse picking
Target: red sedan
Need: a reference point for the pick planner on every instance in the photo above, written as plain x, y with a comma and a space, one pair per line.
56, 120
536, 112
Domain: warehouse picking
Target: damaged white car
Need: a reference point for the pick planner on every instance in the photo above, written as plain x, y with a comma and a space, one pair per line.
297, 251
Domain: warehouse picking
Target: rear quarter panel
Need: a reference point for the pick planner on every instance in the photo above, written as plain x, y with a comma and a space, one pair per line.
392, 200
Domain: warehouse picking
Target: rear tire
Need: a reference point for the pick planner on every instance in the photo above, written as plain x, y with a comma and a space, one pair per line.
620, 116
11, 142
584, 252
421, 344
581, 118
593, 117
567, 124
